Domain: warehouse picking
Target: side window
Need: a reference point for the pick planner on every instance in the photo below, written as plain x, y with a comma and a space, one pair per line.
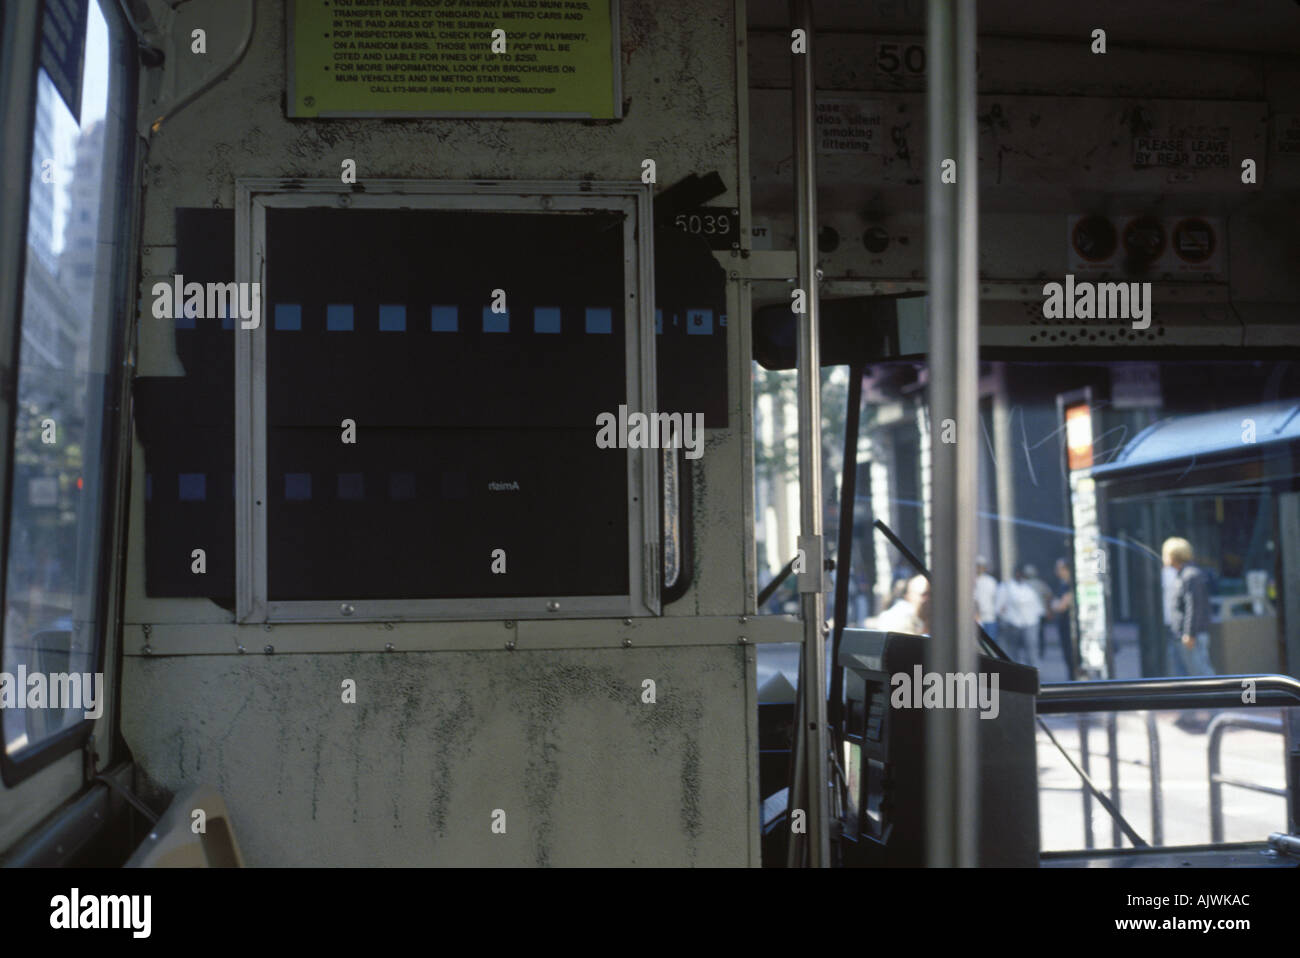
53, 625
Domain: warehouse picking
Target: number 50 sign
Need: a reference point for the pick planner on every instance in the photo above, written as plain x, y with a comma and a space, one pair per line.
903, 60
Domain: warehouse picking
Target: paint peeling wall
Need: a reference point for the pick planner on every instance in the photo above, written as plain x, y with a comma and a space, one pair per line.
560, 740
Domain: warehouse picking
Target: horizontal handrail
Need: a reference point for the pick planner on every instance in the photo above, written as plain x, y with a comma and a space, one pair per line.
1210, 691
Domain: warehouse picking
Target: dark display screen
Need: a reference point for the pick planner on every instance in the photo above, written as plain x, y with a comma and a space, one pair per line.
378, 316
475, 428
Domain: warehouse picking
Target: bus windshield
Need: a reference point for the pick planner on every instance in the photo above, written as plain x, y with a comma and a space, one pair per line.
1134, 518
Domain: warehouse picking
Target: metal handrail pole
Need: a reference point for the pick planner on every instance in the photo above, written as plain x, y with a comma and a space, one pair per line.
795, 793
1157, 786
1213, 691
1291, 748
951, 226
1214, 761
1112, 748
812, 580
1089, 841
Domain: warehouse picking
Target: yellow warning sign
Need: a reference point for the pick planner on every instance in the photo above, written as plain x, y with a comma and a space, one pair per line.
391, 58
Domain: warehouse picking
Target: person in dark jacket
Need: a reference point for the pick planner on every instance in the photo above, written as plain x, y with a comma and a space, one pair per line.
1189, 631
1061, 607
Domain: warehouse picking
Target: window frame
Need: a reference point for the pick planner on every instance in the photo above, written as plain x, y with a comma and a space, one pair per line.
253, 197
122, 83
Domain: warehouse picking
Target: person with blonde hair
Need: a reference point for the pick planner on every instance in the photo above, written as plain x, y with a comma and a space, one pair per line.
1189, 607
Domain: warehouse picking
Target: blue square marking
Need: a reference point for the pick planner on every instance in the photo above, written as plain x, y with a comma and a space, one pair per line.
288, 316
443, 319
699, 322
392, 319
352, 485
546, 319
600, 319
495, 322
297, 485
192, 487
338, 317
148, 486
401, 486
659, 322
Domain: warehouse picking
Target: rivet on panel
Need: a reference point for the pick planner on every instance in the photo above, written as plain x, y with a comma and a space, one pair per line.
347, 608
242, 650
269, 649
744, 640
552, 606
511, 645
388, 647
148, 650
510, 623
627, 621
627, 643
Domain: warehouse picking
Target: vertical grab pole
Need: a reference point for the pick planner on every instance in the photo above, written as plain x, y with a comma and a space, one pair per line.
952, 812
1112, 748
1157, 796
812, 579
1085, 723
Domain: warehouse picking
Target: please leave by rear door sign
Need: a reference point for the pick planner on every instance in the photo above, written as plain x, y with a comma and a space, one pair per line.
454, 58
1193, 147
1286, 133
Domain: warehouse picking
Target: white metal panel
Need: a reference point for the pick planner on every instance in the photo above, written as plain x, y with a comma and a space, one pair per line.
586, 772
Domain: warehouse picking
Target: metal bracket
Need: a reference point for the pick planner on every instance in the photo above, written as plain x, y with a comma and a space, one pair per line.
813, 576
